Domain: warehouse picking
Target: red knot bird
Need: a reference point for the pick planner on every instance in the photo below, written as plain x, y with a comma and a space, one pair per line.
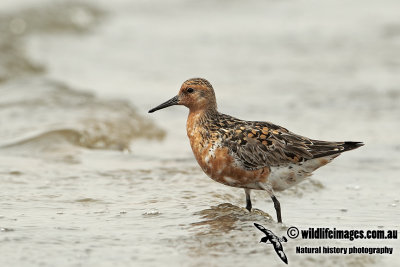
249, 154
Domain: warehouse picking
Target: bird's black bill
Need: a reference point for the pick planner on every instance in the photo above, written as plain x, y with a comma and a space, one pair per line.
171, 102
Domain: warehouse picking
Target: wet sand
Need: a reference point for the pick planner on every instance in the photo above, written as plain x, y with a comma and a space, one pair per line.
89, 178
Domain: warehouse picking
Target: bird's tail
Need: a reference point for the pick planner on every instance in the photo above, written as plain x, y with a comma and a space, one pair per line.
348, 145
323, 148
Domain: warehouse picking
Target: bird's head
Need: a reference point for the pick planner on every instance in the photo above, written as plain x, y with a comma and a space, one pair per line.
196, 94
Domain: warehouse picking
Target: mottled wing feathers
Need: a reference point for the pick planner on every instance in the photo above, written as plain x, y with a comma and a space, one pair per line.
257, 144
262, 145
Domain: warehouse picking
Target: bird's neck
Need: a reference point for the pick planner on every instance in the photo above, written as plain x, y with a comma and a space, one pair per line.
198, 119
205, 106
202, 115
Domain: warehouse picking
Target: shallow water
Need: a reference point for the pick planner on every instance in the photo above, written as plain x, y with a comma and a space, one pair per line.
89, 178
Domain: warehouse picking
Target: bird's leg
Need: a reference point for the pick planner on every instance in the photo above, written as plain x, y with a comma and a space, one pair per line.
248, 200
271, 193
277, 206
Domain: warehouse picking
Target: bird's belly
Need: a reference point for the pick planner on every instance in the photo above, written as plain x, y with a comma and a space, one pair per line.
283, 177
220, 166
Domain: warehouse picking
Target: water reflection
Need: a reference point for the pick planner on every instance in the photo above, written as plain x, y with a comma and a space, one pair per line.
227, 217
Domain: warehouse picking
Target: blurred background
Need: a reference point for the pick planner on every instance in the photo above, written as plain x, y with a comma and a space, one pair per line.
89, 178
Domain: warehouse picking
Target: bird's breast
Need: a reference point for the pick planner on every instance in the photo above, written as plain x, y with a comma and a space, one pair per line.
217, 162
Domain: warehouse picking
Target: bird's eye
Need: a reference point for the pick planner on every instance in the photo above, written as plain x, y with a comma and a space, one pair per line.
190, 90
